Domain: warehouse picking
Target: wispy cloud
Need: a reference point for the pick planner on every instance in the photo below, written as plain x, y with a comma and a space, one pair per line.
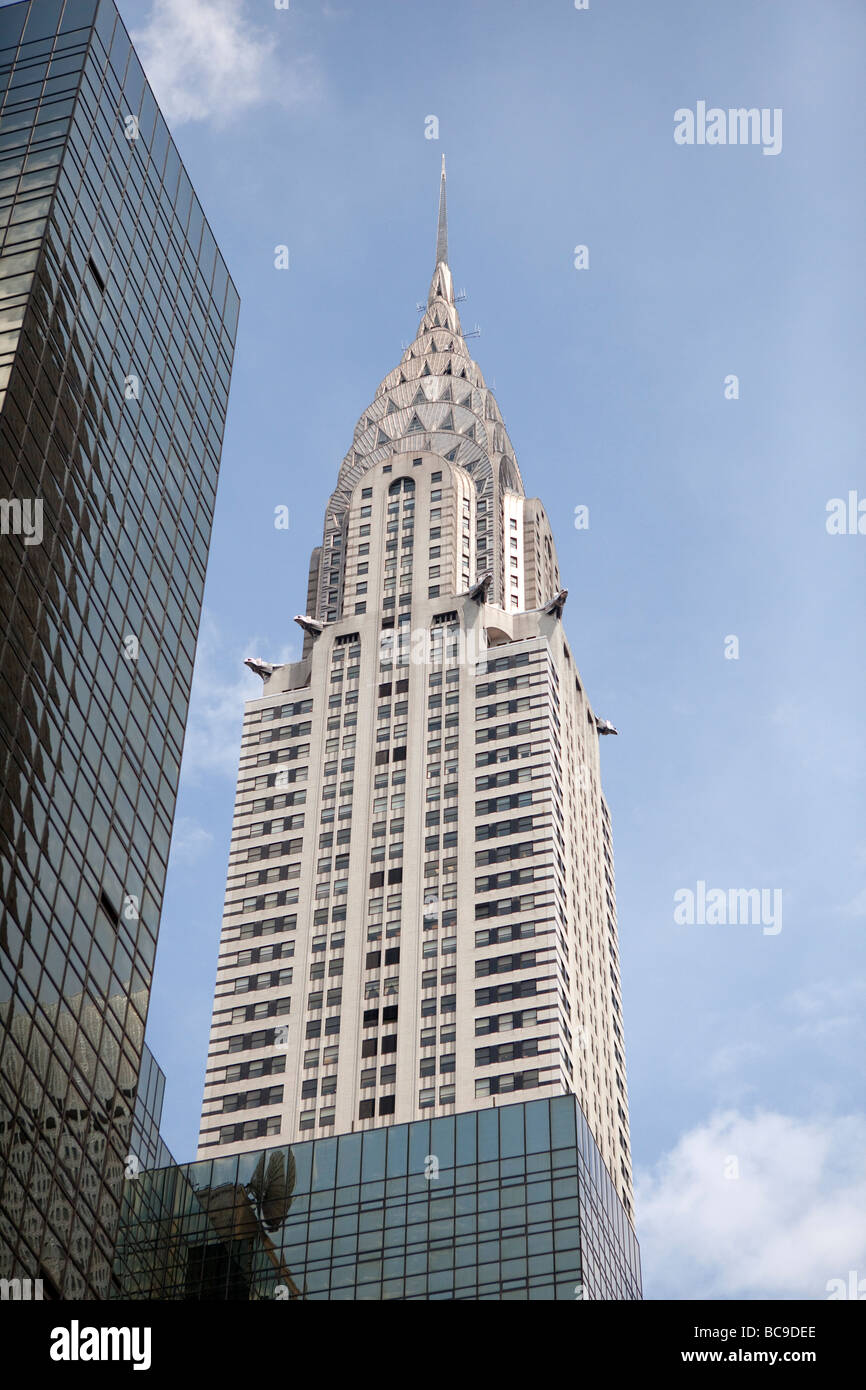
220, 687
812, 1033
189, 842
206, 61
829, 1009
791, 1221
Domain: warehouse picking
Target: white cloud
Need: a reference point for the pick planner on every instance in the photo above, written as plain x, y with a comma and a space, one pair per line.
189, 841
792, 1220
826, 1012
825, 1009
205, 61
737, 1060
220, 687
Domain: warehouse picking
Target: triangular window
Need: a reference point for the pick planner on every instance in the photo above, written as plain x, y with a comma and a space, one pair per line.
420, 398
383, 438
414, 424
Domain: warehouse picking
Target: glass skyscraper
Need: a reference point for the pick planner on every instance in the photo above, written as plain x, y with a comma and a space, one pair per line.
117, 327
513, 1203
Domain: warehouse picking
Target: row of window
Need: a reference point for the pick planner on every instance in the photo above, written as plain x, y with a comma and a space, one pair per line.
274, 850
256, 1066
268, 926
506, 1052
427, 1097
249, 1129
496, 830
260, 829
514, 1081
501, 854
447, 1063
387, 1076
252, 1100
256, 955
286, 711
367, 1108
279, 734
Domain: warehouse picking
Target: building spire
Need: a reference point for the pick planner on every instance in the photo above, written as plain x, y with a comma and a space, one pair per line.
441, 286
442, 229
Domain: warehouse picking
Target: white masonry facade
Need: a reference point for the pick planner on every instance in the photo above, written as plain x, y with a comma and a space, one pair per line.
420, 914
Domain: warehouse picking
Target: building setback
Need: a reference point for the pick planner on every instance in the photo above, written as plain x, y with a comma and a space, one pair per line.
116, 344
420, 916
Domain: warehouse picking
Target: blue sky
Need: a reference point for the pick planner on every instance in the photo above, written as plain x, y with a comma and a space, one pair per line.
306, 127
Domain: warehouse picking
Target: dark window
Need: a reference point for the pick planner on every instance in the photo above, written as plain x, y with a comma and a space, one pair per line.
94, 270
109, 909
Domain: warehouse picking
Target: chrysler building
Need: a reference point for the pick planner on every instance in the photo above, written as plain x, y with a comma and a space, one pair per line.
420, 917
